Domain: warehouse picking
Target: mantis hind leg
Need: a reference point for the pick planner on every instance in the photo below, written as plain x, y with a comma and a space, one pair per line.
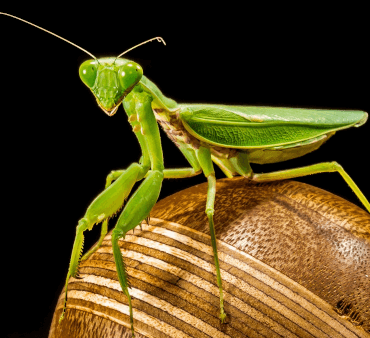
105, 205
205, 160
313, 169
136, 210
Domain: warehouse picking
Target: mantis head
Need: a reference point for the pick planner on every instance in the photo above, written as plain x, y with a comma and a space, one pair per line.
110, 80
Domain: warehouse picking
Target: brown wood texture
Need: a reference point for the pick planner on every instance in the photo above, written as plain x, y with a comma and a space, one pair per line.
295, 262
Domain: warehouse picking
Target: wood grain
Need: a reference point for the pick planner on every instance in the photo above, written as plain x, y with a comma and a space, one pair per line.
295, 262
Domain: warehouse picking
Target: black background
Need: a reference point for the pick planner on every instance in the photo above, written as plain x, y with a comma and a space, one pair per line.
58, 146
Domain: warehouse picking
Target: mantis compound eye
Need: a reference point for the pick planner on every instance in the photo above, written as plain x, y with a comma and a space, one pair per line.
88, 71
129, 74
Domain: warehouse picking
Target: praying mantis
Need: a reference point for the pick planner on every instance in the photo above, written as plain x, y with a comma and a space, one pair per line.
232, 137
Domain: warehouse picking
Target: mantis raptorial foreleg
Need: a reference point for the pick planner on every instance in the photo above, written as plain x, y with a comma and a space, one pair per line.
109, 202
325, 167
114, 175
205, 160
104, 228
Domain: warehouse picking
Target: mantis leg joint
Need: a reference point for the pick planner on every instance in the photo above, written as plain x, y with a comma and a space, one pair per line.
83, 224
336, 166
117, 234
112, 176
210, 212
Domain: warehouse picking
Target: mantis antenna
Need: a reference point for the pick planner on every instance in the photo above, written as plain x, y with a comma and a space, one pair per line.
45, 30
158, 38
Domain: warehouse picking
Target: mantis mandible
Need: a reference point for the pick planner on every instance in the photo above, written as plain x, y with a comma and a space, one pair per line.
231, 137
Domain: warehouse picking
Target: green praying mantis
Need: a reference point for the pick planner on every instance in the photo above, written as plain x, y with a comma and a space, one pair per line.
231, 137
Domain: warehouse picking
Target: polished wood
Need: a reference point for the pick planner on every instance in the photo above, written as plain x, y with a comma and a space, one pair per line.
295, 262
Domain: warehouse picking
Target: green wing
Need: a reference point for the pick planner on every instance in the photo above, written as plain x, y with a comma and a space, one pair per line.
247, 127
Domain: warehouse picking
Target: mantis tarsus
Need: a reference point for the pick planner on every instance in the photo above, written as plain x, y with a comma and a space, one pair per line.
230, 136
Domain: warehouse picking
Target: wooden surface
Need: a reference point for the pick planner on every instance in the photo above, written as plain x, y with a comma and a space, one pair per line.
295, 262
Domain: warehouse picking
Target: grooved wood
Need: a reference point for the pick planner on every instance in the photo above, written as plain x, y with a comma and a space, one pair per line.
295, 262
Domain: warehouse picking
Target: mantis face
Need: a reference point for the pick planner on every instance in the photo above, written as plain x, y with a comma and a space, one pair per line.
110, 80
